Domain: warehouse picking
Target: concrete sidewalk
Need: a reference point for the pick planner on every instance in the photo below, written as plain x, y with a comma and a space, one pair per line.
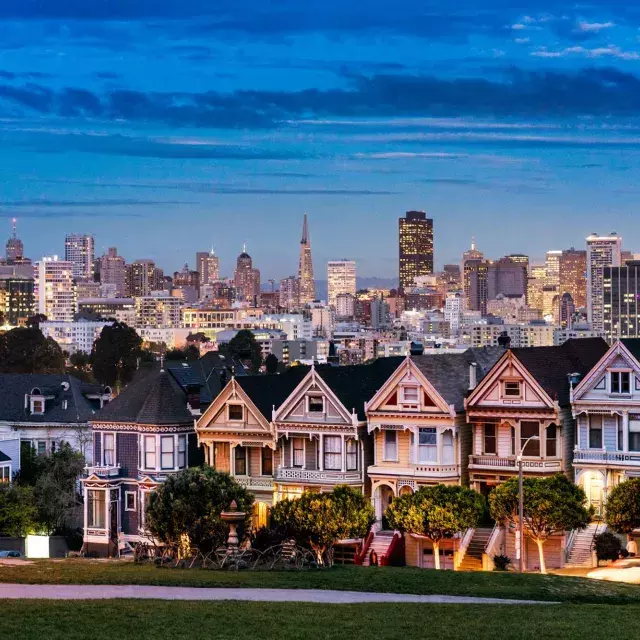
103, 592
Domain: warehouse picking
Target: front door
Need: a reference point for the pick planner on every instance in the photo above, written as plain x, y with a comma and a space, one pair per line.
114, 524
594, 494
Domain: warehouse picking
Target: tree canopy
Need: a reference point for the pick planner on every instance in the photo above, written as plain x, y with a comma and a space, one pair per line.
271, 363
551, 505
436, 512
245, 347
319, 520
623, 506
26, 350
188, 504
18, 513
115, 354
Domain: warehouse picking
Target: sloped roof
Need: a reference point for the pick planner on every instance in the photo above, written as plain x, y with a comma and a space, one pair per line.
551, 366
4, 457
633, 345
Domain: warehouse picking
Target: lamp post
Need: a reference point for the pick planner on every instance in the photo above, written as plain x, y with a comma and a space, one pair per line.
521, 501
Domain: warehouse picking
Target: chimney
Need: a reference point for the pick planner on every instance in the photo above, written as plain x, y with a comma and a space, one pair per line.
473, 376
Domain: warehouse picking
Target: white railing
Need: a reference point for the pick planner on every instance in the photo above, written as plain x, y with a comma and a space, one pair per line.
249, 482
599, 456
417, 471
510, 462
464, 545
493, 547
103, 471
308, 475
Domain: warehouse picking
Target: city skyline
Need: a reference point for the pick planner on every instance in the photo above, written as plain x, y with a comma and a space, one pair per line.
513, 125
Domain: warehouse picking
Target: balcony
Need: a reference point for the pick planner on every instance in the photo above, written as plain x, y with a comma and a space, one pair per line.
599, 457
417, 471
103, 471
510, 463
308, 476
255, 484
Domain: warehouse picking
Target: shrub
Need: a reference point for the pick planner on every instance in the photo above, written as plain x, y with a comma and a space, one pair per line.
501, 562
608, 546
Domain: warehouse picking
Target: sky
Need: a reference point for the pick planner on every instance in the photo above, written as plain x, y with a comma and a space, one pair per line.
166, 127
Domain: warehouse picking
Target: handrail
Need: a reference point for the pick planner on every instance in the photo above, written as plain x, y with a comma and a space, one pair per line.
464, 545
362, 554
396, 546
489, 549
570, 542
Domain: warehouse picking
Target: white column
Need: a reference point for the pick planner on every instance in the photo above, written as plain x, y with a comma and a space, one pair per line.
344, 454
304, 453
439, 448
232, 470
321, 449
625, 431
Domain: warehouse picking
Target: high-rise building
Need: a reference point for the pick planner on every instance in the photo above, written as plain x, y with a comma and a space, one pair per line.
246, 278
567, 309
158, 310
602, 252
415, 240
113, 271
53, 288
573, 275
307, 285
507, 277
143, 277
79, 251
469, 257
15, 248
379, 313
345, 305
478, 271
535, 284
16, 298
341, 278
208, 265
552, 264
289, 293
621, 301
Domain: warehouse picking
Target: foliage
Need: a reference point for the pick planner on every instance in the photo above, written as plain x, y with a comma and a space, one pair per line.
115, 354
623, 506
189, 504
18, 513
271, 363
245, 347
266, 537
189, 353
319, 520
80, 359
436, 512
608, 546
501, 562
26, 350
551, 505
33, 322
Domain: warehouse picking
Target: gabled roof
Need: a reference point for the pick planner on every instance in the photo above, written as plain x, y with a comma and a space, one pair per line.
551, 366
78, 408
4, 457
155, 399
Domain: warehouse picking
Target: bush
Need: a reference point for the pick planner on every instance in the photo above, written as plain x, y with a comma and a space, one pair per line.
501, 563
608, 546
265, 538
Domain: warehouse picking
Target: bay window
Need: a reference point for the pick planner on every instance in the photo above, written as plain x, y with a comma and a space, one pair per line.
167, 446
267, 461
149, 452
552, 441
448, 454
634, 435
352, 455
390, 452
333, 453
489, 441
240, 459
528, 430
182, 452
427, 445
96, 505
297, 445
595, 432
109, 443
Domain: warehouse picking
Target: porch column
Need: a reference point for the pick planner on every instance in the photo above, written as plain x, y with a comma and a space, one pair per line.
625, 431
344, 454
321, 450
232, 467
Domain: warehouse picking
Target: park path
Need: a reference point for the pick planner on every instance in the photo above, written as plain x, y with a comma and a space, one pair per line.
102, 592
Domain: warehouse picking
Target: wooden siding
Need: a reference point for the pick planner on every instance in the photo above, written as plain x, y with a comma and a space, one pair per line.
553, 552
311, 456
465, 443
404, 446
222, 459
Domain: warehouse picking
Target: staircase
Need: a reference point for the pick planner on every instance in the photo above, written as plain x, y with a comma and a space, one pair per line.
580, 551
472, 560
379, 544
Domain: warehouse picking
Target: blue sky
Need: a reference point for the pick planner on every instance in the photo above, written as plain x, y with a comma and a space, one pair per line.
168, 127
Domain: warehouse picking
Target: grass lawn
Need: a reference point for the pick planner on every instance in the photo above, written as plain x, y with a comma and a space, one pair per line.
24, 620
381, 579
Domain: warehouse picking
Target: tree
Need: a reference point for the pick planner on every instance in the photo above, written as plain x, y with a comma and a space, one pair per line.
115, 354
551, 505
189, 353
80, 360
33, 322
437, 512
319, 520
18, 513
189, 504
623, 506
26, 350
245, 347
271, 363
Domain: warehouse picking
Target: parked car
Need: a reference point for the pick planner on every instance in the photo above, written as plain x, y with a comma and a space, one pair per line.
10, 554
624, 570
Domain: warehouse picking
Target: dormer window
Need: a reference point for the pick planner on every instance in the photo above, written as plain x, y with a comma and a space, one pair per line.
620, 382
410, 395
37, 406
512, 389
315, 404
236, 412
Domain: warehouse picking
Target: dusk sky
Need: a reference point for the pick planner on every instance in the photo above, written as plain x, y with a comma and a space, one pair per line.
165, 127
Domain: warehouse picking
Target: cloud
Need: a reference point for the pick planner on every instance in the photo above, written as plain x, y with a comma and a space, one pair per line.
594, 27
47, 203
597, 52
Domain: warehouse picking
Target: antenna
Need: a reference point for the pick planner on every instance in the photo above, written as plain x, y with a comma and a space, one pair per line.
14, 221
473, 242
244, 247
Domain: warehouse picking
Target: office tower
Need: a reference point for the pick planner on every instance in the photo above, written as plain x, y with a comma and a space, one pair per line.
469, 257
573, 275
341, 278
478, 285
307, 285
507, 277
415, 243
345, 305
602, 252
143, 277
535, 284
16, 298
552, 264
379, 313
621, 301
53, 288
113, 271
246, 278
14, 247
519, 258
567, 309
208, 265
79, 251
289, 293
158, 310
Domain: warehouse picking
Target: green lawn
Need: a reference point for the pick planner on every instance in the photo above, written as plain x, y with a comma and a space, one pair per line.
383, 579
155, 620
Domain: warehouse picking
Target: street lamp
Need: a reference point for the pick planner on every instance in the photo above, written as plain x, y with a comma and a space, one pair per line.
521, 501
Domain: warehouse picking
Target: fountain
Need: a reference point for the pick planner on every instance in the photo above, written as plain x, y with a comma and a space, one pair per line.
234, 518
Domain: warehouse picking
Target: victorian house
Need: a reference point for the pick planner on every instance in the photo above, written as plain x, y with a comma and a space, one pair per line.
146, 434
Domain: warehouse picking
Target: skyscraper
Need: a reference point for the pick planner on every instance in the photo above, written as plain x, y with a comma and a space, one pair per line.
552, 264
143, 277
16, 298
208, 266
468, 257
15, 249
341, 278
573, 275
506, 277
307, 286
246, 278
113, 271
535, 286
621, 301
415, 244
53, 289
478, 285
289, 294
602, 252
79, 251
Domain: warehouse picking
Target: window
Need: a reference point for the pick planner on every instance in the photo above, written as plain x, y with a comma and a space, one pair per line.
236, 412
37, 405
512, 389
267, 461
390, 446
333, 453
513, 441
528, 430
5, 474
448, 455
129, 500
109, 442
95, 509
620, 382
41, 447
427, 445
410, 395
297, 445
167, 450
595, 432
620, 436
634, 435
316, 404
552, 441
149, 452
490, 438
240, 458
182, 452
352, 455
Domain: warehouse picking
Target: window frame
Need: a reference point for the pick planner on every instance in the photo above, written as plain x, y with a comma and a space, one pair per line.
622, 379
295, 449
514, 396
243, 458
535, 443
91, 509
385, 456
411, 387
315, 398
40, 402
127, 495
494, 437
146, 453
262, 459
430, 447
172, 453
332, 455
593, 429
181, 455
235, 405
351, 442
547, 440
105, 437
